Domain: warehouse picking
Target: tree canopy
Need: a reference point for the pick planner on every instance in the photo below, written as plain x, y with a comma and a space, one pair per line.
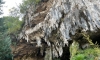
5, 42
13, 24
26, 3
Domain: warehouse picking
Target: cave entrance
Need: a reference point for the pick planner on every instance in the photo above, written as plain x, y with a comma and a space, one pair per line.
66, 53
95, 37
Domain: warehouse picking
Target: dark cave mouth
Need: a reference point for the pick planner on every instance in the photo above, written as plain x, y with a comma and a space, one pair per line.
95, 37
66, 53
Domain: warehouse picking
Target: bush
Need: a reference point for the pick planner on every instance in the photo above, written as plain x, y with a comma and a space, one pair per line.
90, 53
13, 24
79, 57
5, 51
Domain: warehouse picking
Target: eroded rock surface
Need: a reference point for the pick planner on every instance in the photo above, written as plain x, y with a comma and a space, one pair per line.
55, 21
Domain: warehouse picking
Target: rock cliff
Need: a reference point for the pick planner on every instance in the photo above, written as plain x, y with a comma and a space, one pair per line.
51, 25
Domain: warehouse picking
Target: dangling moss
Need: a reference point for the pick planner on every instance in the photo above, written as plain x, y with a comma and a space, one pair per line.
87, 38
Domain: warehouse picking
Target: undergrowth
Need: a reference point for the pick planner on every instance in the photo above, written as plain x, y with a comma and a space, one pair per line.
90, 53
86, 54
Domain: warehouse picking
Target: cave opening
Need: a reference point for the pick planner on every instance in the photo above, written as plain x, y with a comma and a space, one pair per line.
66, 53
95, 37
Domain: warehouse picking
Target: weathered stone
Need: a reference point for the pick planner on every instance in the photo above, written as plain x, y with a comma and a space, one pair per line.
59, 21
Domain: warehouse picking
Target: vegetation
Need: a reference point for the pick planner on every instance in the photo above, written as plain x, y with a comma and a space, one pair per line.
25, 5
8, 25
5, 41
92, 52
87, 54
73, 49
5, 50
12, 24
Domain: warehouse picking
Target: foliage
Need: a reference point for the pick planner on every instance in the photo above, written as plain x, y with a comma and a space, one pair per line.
73, 49
5, 51
26, 3
79, 57
5, 41
91, 53
13, 24
8, 25
88, 54
2, 29
87, 37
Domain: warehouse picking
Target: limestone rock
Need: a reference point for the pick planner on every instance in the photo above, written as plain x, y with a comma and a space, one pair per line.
55, 21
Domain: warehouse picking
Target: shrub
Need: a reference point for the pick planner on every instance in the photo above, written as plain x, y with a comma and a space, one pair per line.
5, 51
91, 53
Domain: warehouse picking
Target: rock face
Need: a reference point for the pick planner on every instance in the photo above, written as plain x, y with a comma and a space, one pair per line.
54, 23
